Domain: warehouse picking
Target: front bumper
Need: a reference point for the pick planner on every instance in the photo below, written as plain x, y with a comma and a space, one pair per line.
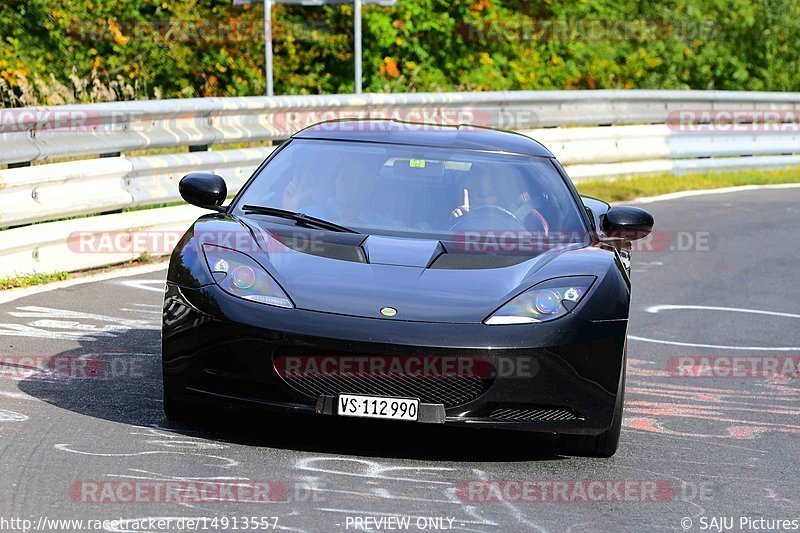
559, 377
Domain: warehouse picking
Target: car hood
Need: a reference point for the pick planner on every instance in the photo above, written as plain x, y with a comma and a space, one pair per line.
425, 280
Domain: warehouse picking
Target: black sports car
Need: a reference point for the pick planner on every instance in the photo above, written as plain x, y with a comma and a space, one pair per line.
412, 272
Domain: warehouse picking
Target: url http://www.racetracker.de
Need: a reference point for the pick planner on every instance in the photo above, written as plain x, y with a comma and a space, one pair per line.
166, 524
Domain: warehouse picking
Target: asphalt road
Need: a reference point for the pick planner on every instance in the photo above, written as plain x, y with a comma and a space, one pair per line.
722, 281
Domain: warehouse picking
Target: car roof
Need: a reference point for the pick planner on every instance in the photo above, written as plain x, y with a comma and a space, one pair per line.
390, 131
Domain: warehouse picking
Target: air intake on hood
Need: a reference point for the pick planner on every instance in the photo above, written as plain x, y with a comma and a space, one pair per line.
476, 261
344, 247
401, 251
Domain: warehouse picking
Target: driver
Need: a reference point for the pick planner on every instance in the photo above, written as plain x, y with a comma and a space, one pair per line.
479, 190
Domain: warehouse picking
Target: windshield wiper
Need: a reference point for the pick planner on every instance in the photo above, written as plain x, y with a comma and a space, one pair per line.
300, 218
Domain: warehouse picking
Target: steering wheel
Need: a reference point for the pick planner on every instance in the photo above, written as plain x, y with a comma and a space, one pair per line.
489, 211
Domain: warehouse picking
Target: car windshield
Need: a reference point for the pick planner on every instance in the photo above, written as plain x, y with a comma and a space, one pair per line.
399, 189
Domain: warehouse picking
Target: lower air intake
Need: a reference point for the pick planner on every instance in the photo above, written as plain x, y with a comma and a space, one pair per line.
451, 390
527, 414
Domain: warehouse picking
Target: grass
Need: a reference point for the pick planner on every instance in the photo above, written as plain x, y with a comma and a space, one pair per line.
145, 258
152, 206
630, 188
28, 280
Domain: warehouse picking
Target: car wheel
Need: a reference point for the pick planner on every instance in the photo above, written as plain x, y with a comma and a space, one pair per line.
603, 445
177, 410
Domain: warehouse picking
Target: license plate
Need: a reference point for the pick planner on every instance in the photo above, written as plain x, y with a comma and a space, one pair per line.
378, 407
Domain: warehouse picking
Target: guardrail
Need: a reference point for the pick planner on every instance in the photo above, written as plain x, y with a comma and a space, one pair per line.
594, 134
42, 133
74, 188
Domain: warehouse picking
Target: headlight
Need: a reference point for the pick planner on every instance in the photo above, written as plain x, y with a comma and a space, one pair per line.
240, 275
546, 301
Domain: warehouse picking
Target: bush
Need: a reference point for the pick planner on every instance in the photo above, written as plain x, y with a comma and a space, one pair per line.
58, 51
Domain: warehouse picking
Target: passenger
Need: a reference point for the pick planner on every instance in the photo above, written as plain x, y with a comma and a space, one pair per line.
353, 189
299, 192
351, 200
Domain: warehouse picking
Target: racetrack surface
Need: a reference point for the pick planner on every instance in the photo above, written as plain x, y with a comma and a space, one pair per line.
714, 446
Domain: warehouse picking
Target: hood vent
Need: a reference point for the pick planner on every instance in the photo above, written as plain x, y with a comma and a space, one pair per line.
340, 246
400, 251
476, 261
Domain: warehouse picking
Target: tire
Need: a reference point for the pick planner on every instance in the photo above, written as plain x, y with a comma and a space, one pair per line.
177, 410
605, 444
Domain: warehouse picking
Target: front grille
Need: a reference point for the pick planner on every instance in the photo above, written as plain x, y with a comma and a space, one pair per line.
528, 414
451, 391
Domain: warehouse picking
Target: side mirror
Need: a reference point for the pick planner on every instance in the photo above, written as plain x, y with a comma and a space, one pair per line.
203, 189
627, 222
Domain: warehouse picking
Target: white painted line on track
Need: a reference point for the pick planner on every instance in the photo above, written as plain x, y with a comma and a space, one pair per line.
668, 307
145, 284
11, 416
718, 346
658, 308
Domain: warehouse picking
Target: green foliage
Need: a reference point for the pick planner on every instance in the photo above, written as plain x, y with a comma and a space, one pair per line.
57, 51
29, 280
